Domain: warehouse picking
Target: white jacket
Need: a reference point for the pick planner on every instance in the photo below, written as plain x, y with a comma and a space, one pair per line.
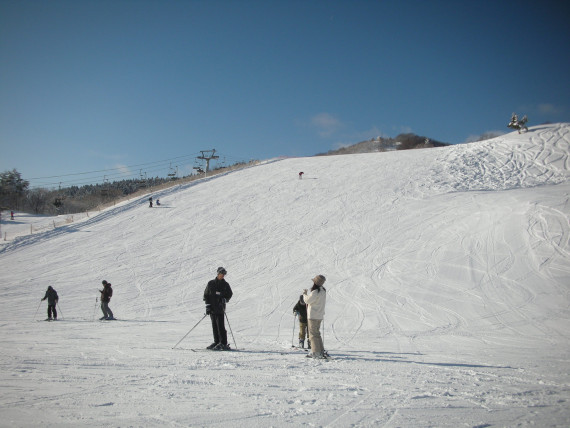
316, 300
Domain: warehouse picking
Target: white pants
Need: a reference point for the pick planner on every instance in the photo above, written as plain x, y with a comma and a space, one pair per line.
317, 347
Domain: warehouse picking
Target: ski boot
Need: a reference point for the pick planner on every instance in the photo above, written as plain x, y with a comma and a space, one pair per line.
221, 347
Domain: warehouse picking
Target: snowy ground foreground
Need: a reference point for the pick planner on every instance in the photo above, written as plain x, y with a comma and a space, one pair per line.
448, 276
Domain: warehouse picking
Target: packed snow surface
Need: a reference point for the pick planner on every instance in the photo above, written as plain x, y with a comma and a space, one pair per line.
448, 278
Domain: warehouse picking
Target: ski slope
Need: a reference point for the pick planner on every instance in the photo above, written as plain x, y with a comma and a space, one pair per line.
448, 279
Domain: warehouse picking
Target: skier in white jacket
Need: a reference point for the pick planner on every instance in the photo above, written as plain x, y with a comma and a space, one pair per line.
316, 300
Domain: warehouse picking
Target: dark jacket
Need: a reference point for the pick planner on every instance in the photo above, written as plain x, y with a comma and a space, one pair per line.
51, 296
301, 309
216, 294
106, 293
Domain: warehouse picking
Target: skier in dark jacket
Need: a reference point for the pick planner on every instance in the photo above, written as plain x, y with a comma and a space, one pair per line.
52, 298
106, 294
300, 310
216, 294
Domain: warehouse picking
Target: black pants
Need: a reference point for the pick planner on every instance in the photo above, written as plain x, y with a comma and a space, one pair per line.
51, 308
219, 329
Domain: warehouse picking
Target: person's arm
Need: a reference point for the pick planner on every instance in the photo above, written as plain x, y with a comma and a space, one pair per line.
228, 293
309, 298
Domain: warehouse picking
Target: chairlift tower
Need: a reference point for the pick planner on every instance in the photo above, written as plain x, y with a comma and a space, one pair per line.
208, 155
105, 190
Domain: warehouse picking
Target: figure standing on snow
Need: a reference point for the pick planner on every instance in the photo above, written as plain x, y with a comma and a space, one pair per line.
52, 298
300, 310
150, 202
217, 293
316, 300
301, 175
106, 294
11, 215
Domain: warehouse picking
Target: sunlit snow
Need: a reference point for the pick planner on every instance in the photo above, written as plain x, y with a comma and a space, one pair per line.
448, 278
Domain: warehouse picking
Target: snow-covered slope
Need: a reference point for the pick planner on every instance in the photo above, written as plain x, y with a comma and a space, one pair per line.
448, 274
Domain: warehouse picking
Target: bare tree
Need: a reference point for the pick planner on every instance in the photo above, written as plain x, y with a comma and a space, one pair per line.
37, 200
517, 124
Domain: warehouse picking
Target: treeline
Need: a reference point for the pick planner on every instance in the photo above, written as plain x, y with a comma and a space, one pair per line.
381, 144
16, 195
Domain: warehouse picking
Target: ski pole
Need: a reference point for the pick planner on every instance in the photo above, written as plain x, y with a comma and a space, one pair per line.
59, 309
235, 344
95, 308
324, 350
37, 310
189, 331
293, 338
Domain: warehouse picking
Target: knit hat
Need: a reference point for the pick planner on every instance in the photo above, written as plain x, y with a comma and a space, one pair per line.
104, 282
319, 280
222, 270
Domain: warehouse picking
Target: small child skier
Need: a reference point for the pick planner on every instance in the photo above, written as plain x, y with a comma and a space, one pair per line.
52, 298
300, 310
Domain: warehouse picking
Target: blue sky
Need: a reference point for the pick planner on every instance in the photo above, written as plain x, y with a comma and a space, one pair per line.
128, 86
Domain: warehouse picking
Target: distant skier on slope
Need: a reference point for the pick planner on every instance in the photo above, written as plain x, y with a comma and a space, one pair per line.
217, 293
52, 298
301, 175
316, 300
106, 294
150, 202
158, 202
300, 310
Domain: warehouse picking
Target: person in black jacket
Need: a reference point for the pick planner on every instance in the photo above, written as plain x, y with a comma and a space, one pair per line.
216, 294
106, 294
52, 298
300, 310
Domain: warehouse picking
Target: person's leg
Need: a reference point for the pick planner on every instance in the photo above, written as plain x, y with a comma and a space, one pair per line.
106, 310
222, 333
215, 328
302, 330
315, 337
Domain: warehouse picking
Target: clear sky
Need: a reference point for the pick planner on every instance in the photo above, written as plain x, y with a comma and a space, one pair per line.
141, 85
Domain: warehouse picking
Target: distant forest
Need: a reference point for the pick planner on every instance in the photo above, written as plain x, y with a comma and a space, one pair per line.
381, 144
16, 195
